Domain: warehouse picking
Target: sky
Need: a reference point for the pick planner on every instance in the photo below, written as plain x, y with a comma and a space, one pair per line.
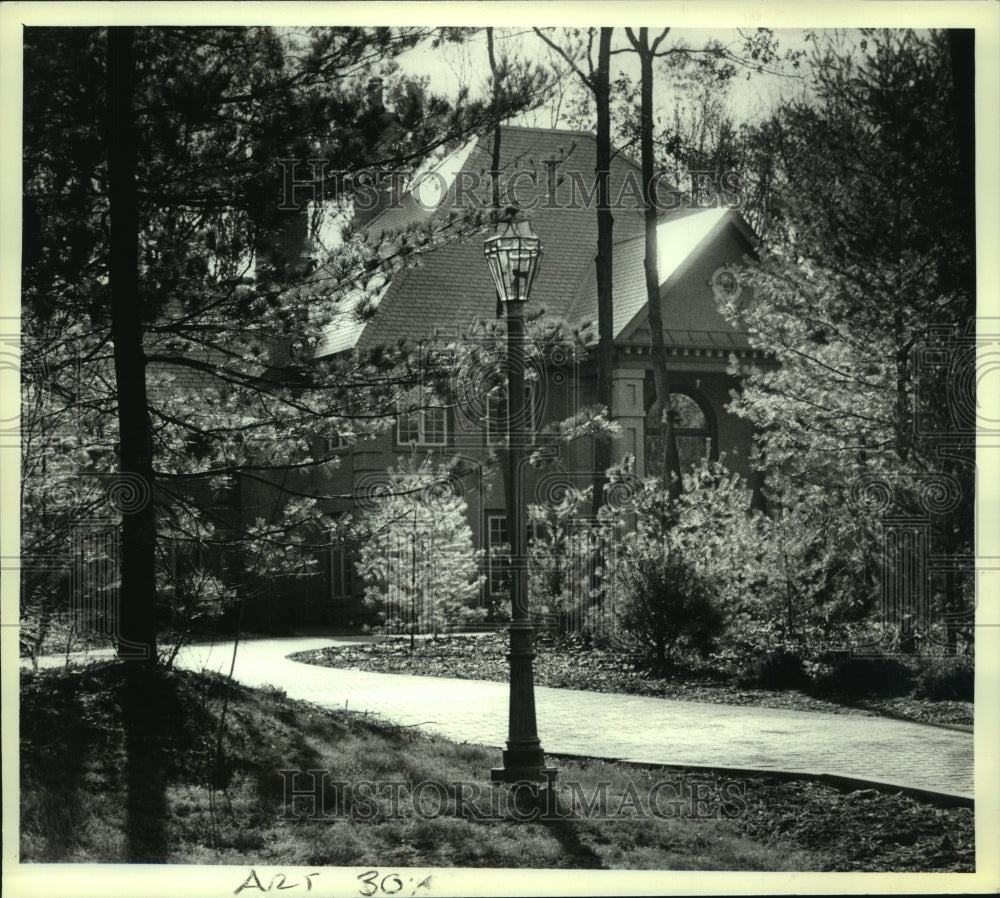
751, 96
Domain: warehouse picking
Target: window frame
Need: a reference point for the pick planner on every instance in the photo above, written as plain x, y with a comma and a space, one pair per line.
709, 431
419, 415
341, 557
497, 566
334, 445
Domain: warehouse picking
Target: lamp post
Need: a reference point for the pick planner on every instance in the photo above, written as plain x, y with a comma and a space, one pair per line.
513, 255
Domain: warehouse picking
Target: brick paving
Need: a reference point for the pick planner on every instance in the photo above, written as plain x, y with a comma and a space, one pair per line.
622, 727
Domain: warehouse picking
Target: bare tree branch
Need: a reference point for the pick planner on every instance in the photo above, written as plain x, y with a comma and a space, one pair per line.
584, 78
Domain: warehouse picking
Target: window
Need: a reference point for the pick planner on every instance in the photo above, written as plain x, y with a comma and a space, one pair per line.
693, 431
425, 426
341, 573
496, 416
408, 428
497, 555
694, 436
630, 395
335, 444
434, 426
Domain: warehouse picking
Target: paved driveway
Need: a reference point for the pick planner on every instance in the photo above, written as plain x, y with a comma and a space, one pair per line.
629, 728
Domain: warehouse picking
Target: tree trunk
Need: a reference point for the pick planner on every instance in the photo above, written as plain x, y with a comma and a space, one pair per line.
495, 156
602, 262
902, 418
962, 50
661, 380
136, 632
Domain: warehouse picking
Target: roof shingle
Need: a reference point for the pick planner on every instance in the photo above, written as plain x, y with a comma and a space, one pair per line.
554, 173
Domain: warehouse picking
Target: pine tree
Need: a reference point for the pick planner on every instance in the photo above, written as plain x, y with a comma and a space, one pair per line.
416, 556
211, 291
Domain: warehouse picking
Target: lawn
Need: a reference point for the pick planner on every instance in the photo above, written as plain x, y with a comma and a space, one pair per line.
196, 777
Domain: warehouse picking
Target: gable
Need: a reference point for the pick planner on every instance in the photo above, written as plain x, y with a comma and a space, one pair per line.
691, 252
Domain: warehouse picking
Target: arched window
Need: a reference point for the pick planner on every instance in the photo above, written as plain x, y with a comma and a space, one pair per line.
693, 428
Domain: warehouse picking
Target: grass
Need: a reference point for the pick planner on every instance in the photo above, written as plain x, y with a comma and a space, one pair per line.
166, 787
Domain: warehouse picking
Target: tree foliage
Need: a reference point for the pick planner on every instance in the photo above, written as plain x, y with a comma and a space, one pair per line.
866, 262
234, 292
416, 553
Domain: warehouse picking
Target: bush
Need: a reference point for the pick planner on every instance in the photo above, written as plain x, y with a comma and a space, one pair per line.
881, 676
416, 555
947, 678
669, 609
780, 669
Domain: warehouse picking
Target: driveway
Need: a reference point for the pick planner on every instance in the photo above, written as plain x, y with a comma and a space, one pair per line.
629, 728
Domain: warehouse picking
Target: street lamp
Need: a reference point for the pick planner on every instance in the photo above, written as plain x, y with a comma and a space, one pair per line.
513, 255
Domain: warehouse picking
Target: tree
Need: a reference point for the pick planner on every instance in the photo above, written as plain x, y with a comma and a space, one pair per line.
663, 590
60, 415
668, 608
661, 405
869, 251
136, 624
758, 50
698, 141
201, 313
416, 552
705, 564
597, 79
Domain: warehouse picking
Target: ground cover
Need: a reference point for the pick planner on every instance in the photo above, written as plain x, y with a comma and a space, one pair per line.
195, 777
574, 665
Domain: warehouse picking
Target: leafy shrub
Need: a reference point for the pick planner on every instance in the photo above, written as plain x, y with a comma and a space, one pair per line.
868, 676
947, 678
669, 608
779, 669
793, 580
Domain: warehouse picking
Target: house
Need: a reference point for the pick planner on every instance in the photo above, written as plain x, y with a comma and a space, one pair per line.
550, 173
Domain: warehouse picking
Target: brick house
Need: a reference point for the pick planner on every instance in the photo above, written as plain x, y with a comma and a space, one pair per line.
550, 173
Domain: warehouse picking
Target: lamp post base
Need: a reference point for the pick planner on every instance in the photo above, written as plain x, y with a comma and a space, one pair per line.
523, 760
531, 791
523, 765
510, 775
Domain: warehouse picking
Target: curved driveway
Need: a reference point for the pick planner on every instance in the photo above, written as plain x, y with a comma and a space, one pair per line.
629, 728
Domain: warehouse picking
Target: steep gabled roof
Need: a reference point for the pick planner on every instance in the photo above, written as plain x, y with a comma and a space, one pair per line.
683, 238
450, 287
678, 242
